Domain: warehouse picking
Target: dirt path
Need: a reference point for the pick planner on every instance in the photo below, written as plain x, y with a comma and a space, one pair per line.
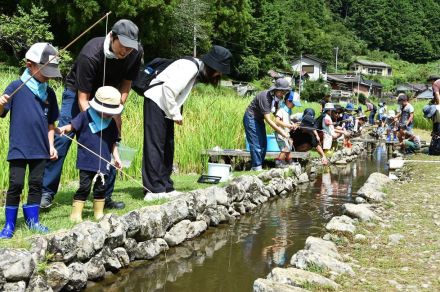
401, 253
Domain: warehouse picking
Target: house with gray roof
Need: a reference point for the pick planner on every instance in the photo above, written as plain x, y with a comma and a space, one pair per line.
310, 66
371, 68
354, 83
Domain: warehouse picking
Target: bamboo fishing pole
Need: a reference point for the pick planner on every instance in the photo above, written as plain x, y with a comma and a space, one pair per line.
59, 52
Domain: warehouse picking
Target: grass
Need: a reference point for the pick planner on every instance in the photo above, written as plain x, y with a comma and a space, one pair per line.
412, 211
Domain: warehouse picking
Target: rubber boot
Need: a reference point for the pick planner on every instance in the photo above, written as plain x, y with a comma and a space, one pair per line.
77, 209
98, 208
31, 217
11, 218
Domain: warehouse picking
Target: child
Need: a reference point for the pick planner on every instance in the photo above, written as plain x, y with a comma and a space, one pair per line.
283, 120
406, 115
34, 111
390, 126
381, 111
410, 142
348, 123
95, 129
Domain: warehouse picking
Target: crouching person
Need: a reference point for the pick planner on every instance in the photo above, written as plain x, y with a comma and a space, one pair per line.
34, 111
96, 131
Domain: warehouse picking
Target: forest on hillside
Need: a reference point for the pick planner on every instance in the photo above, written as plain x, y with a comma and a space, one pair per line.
261, 34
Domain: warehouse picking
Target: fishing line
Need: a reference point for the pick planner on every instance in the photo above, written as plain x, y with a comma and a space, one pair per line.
111, 164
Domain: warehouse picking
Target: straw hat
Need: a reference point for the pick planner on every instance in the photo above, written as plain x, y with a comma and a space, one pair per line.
107, 100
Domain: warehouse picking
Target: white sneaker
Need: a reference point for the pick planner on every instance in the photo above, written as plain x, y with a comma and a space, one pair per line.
257, 168
173, 194
154, 196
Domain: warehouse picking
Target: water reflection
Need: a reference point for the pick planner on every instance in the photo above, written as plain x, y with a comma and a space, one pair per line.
230, 258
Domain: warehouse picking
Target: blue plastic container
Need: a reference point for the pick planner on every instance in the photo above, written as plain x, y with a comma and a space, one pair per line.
272, 145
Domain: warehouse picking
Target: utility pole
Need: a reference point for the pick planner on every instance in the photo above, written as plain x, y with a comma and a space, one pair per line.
300, 72
336, 59
194, 29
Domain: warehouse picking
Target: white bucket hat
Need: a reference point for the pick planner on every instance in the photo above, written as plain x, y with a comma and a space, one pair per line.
329, 106
107, 100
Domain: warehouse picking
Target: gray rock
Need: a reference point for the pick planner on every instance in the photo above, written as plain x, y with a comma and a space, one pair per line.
271, 174
269, 188
57, 275
341, 224
177, 210
360, 200
115, 230
264, 285
130, 246
15, 287
221, 196
109, 259
362, 212
360, 238
223, 214
305, 258
238, 187
395, 238
62, 246
341, 162
38, 248
38, 284
153, 223
370, 191
16, 264
132, 222
300, 278
239, 207
303, 178
95, 269
150, 249
378, 179
77, 277
122, 256
90, 238
322, 246
184, 230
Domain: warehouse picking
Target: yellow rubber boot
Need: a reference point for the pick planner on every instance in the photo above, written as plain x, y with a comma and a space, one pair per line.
77, 208
98, 208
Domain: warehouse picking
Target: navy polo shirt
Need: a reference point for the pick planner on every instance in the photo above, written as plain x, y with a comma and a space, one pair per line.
29, 123
86, 160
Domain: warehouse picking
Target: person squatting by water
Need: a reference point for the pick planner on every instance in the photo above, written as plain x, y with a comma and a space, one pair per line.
34, 110
121, 53
283, 119
162, 110
405, 118
433, 112
96, 129
257, 113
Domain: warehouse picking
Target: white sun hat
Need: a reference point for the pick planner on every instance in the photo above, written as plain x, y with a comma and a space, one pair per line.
107, 100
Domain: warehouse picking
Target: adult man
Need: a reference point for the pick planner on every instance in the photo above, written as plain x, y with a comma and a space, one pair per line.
162, 110
435, 82
119, 54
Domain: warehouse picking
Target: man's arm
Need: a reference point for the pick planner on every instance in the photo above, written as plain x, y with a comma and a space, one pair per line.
83, 100
124, 89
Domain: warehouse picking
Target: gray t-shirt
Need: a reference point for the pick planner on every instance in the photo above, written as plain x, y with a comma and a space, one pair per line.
261, 105
406, 112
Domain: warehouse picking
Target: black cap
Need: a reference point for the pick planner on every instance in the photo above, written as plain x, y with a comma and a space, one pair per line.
308, 122
127, 33
219, 59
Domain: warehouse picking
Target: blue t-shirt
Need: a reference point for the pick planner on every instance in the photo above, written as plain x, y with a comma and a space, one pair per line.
30, 119
86, 160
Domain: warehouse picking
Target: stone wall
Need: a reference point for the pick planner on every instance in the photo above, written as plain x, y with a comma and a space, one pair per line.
66, 260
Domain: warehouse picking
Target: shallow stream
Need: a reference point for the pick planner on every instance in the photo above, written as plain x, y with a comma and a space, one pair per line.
231, 257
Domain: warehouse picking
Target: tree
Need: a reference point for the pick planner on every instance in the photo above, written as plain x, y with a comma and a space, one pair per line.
19, 31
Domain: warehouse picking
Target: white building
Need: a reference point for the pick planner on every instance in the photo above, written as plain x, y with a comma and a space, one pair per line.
371, 68
311, 66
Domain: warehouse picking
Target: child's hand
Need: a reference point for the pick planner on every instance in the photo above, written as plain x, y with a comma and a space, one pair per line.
324, 160
118, 163
53, 153
4, 99
60, 131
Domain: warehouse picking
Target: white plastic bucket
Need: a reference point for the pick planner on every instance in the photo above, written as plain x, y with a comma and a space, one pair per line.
395, 163
126, 154
219, 169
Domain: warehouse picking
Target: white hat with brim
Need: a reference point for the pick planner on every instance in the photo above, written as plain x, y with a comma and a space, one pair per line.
329, 106
107, 100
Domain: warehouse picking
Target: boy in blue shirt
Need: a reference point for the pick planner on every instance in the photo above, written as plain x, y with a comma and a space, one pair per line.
96, 130
34, 110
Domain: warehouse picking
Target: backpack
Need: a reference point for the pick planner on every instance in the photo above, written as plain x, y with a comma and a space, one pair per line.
153, 68
318, 121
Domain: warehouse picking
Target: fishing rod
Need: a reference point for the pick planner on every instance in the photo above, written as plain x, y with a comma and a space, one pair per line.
58, 54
